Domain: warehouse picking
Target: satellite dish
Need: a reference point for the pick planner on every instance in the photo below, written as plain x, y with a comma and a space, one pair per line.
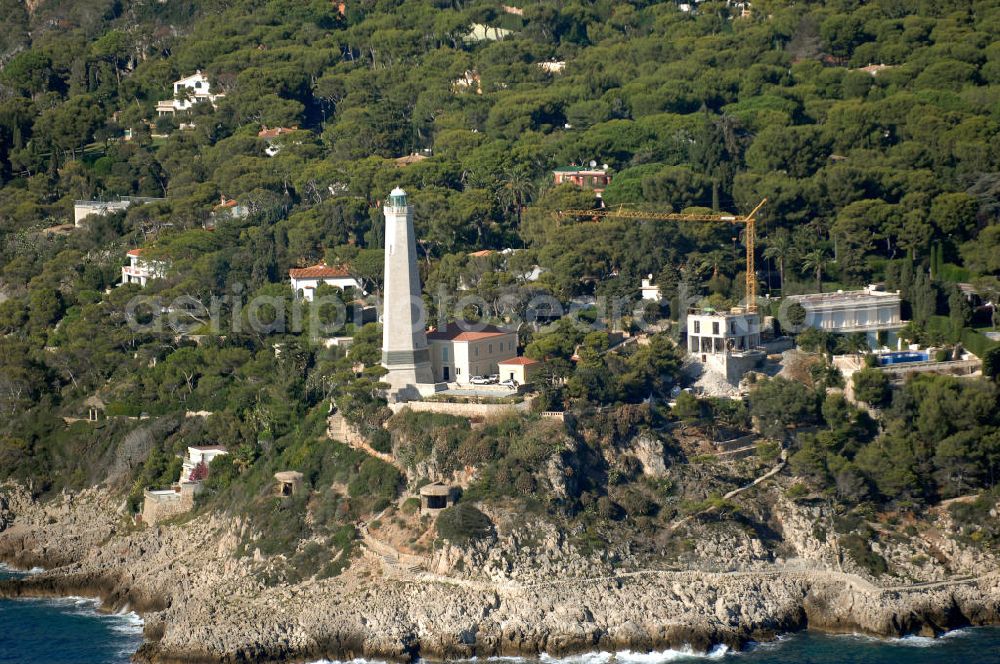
593, 163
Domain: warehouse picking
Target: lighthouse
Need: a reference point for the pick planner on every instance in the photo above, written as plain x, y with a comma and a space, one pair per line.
404, 341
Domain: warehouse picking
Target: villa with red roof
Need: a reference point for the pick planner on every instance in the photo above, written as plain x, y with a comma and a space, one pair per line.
140, 270
305, 280
458, 354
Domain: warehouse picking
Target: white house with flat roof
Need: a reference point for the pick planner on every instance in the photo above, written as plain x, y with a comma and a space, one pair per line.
197, 456
650, 291
870, 311
140, 270
727, 343
83, 209
458, 354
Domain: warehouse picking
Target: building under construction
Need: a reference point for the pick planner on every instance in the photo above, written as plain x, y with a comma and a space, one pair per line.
725, 342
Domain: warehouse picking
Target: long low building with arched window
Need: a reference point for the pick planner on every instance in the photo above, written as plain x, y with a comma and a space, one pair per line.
305, 280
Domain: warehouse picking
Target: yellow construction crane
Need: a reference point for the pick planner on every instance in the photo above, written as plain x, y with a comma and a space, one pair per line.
750, 220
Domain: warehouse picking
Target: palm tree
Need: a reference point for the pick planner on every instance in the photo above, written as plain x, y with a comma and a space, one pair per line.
816, 261
779, 250
515, 191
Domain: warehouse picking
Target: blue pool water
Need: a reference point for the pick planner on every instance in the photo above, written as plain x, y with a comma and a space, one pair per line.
903, 356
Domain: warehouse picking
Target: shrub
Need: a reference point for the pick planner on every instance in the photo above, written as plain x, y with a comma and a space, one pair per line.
636, 503
608, 509
381, 441
857, 548
871, 386
797, 490
463, 523
375, 478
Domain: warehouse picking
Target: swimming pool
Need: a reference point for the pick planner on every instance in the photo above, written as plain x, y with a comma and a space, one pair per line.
901, 357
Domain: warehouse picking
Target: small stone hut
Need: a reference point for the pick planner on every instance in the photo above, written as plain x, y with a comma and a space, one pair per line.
288, 483
435, 497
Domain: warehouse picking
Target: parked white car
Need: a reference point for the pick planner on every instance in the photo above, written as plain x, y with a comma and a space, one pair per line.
479, 380
509, 383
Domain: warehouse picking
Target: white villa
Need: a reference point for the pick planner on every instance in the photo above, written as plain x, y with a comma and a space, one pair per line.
650, 291
83, 209
869, 310
188, 91
457, 355
199, 455
140, 270
305, 280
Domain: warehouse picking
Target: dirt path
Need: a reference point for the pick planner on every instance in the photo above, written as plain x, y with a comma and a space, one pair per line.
735, 492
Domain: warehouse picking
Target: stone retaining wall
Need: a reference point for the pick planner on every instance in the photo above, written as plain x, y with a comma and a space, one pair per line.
161, 505
460, 409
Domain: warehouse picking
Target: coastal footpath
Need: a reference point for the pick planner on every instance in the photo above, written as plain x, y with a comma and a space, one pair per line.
203, 603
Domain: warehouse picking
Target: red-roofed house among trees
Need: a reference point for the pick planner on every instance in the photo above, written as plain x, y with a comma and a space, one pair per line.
305, 280
593, 178
140, 270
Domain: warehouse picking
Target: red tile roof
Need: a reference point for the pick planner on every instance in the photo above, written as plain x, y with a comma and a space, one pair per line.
135, 252
318, 272
522, 361
452, 332
274, 132
482, 253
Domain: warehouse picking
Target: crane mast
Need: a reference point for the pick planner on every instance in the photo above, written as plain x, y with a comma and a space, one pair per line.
749, 219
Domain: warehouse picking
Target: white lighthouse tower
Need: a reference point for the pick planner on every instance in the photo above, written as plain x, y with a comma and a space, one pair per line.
404, 341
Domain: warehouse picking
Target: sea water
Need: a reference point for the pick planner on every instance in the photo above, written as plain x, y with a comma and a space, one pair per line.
980, 645
67, 630
72, 631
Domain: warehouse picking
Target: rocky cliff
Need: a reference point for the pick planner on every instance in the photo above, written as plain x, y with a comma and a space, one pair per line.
528, 591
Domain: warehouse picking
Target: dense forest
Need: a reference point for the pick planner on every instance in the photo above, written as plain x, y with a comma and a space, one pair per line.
873, 128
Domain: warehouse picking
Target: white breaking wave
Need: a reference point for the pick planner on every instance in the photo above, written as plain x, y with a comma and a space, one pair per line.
358, 660
910, 640
586, 658
630, 657
4, 567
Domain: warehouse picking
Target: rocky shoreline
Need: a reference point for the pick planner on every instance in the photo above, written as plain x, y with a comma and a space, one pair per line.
203, 605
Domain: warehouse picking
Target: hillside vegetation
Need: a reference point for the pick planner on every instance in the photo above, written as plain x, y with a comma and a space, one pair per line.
887, 174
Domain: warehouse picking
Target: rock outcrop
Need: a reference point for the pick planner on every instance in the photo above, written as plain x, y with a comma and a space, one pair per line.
515, 596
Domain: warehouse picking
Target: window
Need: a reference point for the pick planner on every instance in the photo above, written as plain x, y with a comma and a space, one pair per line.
732, 327
697, 327
458, 371
477, 351
715, 327
491, 349
444, 353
